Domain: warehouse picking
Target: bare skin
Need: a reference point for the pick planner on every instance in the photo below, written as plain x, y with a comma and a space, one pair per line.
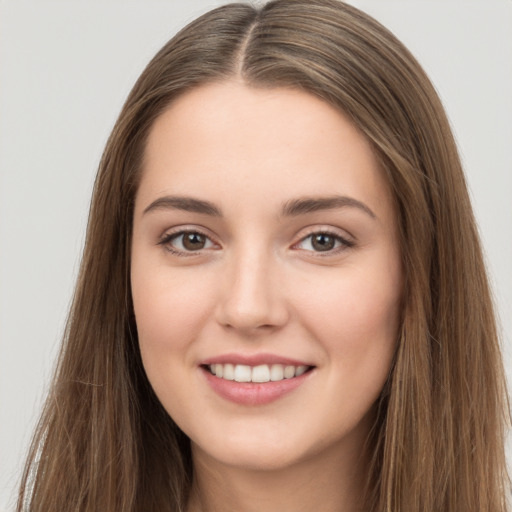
265, 238
327, 484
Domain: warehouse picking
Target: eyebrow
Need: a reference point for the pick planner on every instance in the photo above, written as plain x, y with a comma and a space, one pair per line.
291, 208
304, 205
187, 204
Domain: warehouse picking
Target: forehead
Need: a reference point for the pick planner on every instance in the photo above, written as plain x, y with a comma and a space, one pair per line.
263, 144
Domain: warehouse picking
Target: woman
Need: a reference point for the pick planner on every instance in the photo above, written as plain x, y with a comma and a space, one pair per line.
282, 300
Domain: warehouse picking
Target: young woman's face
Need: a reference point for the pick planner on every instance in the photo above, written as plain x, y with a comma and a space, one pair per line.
265, 252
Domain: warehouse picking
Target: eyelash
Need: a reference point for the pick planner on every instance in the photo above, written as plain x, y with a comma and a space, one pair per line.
169, 237
344, 243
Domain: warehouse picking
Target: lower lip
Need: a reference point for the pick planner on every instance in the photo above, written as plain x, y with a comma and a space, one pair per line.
253, 393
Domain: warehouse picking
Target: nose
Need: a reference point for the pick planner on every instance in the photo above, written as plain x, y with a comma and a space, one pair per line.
252, 298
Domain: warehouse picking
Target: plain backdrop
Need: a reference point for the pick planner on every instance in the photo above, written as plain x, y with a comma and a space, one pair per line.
65, 69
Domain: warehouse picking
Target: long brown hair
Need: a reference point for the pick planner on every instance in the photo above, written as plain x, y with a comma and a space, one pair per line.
104, 442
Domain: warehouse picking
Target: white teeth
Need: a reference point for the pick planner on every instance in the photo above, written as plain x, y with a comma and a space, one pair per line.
260, 373
228, 372
289, 372
276, 372
300, 370
243, 373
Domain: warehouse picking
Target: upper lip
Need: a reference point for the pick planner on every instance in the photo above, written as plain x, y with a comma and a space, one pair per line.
253, 360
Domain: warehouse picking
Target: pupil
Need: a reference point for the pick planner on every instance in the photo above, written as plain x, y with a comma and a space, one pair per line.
322, 242
193, 241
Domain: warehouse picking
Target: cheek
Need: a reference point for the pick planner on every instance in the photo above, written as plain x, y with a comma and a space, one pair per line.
170, 311
355, 316
170, 308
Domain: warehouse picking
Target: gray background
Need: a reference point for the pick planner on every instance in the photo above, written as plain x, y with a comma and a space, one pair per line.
65, 69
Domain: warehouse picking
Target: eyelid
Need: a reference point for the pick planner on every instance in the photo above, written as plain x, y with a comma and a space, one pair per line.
347, 242
165, 239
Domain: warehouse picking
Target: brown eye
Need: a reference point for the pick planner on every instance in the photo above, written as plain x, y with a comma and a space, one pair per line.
323, 242
193, 241
186, 242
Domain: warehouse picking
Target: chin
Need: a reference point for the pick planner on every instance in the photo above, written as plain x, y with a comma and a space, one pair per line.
267, 448
251, 458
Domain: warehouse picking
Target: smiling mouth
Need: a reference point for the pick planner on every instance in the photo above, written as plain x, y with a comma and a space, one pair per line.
258, 374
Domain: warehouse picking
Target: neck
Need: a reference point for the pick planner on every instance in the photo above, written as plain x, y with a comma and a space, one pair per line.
327, 482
